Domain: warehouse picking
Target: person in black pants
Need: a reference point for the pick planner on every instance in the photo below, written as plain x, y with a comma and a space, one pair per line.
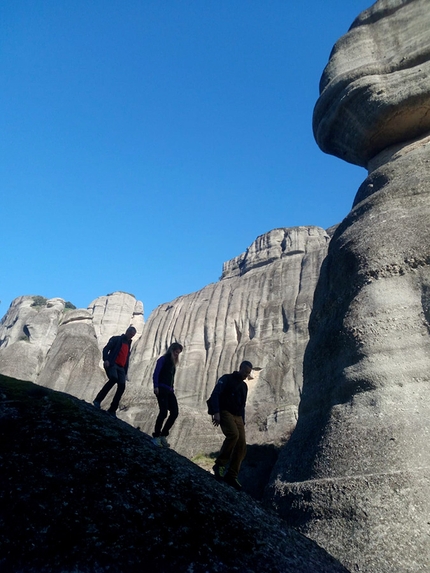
164, 378
116, 355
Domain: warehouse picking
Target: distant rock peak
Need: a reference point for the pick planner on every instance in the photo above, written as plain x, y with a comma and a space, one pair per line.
276, 244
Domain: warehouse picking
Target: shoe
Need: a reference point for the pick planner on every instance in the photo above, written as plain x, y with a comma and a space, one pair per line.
164, 442
219, 472
96, 404
230, 480
157, 442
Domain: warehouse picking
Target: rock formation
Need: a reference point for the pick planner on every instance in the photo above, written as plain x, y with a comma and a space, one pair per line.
44, 341
355, 475
259, 311
26, 334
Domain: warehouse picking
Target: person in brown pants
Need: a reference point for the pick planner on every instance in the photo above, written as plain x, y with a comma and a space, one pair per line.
228, 401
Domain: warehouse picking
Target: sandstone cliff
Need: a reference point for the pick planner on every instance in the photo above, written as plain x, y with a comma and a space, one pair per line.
44, 341
355, 474
258, 311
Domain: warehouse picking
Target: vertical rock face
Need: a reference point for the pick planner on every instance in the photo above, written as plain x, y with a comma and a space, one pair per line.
355, 475
114, 313
27, 332
258, 311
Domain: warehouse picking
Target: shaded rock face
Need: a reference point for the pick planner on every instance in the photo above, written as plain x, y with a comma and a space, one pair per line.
355, 475
42, 341
258, 311
113, 314
84, 492
375, 91
26, 334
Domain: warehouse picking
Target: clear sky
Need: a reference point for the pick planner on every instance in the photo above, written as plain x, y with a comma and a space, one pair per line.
145, 142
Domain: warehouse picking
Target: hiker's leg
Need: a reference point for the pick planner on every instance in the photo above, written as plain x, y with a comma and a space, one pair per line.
231, 433
112, 380
239, 451
162, 399
172, 405
120, 389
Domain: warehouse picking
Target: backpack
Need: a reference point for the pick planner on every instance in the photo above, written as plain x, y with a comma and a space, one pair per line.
211, 410
210, 403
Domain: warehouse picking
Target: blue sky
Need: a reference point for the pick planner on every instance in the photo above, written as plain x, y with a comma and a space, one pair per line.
145, 142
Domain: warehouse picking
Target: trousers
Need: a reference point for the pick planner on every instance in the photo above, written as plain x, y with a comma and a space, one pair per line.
167, 403
116, 375
233, 449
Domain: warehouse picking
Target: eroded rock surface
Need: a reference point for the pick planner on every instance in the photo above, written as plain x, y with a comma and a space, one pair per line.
258, 311
375, 90
355, 475
45, 341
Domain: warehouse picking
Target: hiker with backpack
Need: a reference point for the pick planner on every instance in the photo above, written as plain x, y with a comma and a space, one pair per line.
227, 407
164, 378
116, 356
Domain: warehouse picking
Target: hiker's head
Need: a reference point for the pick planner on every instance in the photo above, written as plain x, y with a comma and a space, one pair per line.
130, 332
175, 350
245, 369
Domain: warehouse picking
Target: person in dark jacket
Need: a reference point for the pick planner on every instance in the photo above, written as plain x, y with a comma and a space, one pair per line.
164, 378
116, 355
229, 400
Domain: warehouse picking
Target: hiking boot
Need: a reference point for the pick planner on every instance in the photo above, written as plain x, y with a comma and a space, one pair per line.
219, 472
96, 404
230, 480
164, 442
157, 442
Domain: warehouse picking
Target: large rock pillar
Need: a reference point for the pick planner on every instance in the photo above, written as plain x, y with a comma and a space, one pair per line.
355, 475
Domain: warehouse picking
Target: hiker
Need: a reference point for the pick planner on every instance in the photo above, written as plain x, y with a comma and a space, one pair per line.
116, 356
164, 378
228, 401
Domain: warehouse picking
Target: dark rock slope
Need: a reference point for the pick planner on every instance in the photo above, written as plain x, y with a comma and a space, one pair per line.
85, 493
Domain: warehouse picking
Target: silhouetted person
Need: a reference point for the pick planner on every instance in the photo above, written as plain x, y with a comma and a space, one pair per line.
228, 402
164, 378
116, 355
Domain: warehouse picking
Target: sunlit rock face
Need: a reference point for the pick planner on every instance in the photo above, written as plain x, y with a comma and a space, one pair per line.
114, 313
355, 475
73, 362
45, 341
375, 91
27, 332
258, 311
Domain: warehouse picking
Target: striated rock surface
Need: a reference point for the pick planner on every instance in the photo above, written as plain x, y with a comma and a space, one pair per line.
84, 492
375, 91
355, 475
114, 313
27, 332
43, 341
258, 311
73, 362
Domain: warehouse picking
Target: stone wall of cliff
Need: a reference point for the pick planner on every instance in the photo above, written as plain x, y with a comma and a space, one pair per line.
355, 475
259, 311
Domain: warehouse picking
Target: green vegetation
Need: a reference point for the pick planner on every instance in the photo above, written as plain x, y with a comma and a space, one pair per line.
39, 301
69, 306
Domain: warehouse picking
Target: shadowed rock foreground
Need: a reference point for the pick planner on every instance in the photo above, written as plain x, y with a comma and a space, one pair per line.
85, 493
